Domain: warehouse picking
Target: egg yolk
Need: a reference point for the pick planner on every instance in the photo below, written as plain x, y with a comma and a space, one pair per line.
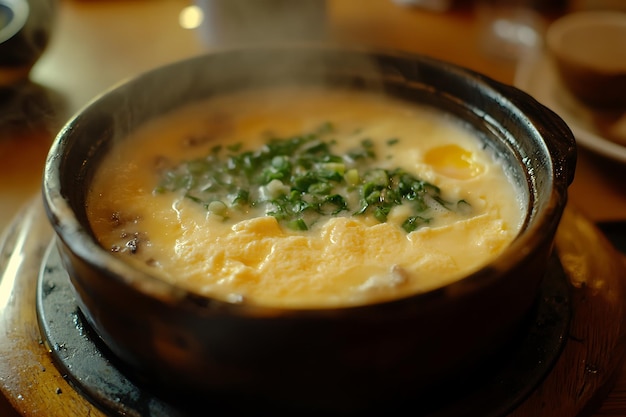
453, 161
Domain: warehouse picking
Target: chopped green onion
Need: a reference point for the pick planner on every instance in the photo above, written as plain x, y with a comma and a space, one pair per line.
299, 180
352, 177
217, 207
297, 224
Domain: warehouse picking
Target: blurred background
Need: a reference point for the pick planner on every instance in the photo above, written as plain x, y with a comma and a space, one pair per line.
88, 45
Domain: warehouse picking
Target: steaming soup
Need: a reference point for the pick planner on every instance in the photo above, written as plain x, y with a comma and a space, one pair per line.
304, 198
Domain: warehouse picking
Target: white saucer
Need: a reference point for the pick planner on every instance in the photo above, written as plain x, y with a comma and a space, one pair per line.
536, 76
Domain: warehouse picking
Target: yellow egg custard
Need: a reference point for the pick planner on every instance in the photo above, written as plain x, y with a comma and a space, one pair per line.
305, 198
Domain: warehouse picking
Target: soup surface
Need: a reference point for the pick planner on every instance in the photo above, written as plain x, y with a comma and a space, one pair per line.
304, 198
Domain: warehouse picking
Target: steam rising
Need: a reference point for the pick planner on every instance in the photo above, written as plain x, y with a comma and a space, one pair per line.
231, 22
230, 70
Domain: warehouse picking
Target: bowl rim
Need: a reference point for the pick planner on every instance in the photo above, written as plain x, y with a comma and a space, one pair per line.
77, 239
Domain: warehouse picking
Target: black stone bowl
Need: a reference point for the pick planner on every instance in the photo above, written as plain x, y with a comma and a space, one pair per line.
199, 350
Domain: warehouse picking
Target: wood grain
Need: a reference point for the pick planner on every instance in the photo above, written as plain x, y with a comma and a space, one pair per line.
29, 379
594, 351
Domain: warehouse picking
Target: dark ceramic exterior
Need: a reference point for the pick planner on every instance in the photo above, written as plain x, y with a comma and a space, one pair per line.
342, 359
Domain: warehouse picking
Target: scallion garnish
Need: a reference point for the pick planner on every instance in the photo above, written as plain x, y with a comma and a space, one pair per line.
299, 180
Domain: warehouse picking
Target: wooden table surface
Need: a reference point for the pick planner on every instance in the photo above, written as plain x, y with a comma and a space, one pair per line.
96, 44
